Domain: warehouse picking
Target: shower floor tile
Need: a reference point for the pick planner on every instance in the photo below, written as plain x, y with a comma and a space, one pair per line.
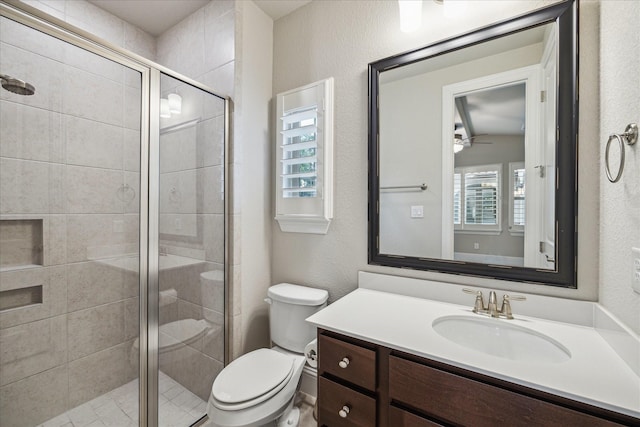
119, 408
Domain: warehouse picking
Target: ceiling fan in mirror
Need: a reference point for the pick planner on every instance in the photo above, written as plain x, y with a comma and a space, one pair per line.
460, 143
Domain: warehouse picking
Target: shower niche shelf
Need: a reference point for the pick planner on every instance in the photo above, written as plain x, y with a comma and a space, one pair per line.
18, 298
21, 243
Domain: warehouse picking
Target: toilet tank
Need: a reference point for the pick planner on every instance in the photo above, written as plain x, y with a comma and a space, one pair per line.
290, 305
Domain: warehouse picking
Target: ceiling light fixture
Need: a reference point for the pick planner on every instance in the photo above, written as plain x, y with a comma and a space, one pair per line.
458, 143
410, 15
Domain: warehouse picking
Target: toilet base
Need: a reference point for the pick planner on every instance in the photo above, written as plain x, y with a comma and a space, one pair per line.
290, 418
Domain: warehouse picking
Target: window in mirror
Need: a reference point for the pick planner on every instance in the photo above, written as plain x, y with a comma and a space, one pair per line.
479, 188
516, 198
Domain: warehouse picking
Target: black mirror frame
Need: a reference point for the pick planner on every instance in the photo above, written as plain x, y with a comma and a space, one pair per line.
566, 200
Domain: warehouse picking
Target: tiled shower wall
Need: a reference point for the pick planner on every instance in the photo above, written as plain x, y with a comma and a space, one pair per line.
69, 157
63, 164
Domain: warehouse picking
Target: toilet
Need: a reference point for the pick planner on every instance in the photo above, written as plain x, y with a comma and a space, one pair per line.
258, 388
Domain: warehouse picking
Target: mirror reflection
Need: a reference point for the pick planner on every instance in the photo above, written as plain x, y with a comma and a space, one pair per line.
467, 153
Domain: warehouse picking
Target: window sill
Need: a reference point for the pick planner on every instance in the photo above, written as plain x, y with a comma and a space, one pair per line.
303, 224
484, 232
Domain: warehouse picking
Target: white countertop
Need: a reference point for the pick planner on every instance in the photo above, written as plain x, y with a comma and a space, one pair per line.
595, 373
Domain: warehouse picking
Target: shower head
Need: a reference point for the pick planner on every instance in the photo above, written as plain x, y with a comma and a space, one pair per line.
16, 85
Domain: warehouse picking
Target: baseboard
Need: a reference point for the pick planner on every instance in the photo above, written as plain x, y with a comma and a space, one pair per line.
309, 382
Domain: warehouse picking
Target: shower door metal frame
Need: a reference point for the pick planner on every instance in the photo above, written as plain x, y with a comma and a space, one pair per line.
149, 186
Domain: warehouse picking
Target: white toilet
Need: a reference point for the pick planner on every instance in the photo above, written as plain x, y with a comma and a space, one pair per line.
258, 388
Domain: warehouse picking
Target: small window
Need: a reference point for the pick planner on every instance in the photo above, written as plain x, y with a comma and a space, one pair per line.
477, 195
304, 164
516, 198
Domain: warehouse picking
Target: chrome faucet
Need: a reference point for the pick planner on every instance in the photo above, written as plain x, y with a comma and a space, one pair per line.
491, 309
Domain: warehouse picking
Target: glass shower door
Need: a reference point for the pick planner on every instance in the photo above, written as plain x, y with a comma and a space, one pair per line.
191, 279
69, 233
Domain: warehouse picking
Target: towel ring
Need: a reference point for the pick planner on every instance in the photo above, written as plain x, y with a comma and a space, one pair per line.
630, 136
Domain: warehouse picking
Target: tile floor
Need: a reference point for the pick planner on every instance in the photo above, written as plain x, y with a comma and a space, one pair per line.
119, 408
304, 402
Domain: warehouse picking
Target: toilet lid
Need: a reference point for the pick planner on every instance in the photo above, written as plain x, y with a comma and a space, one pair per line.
253, 375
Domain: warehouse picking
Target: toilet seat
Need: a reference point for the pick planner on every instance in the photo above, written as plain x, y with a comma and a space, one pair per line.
252, 379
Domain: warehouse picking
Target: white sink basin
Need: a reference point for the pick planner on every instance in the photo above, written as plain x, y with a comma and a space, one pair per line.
500, 338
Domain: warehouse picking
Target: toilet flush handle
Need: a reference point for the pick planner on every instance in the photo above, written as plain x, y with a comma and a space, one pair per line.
344, 362
268, 301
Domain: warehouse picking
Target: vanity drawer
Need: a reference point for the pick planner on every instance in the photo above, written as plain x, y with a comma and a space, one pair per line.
402, 418
347, 361
445, 396
333, 397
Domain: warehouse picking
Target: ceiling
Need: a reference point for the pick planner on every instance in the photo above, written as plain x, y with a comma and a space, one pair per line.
494, 111
157, 16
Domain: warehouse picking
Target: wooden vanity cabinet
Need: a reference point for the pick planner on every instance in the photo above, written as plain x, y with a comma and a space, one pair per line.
347, 382
386, 388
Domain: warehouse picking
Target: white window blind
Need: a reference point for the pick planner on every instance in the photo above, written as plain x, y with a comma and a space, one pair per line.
518, 197
457, 198
517, 202
476, 198
481, 198
299, 152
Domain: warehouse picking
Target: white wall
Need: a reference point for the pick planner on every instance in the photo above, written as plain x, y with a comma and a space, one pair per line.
339, 39
620, 207
252, 175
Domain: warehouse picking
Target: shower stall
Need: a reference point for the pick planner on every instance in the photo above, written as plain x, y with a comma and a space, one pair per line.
113, 243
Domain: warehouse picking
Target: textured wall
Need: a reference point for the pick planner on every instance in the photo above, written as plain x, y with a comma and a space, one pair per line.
620, 206
252, 180
339, 39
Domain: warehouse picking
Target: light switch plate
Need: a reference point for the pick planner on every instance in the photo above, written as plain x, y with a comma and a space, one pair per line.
635, 279
417, 211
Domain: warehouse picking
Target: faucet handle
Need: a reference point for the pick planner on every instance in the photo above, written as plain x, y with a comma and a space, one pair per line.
479, 304
506, 305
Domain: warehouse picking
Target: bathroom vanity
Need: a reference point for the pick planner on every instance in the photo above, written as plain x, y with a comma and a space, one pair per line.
383, 361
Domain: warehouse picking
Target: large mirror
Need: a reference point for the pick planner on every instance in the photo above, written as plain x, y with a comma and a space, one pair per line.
472, 145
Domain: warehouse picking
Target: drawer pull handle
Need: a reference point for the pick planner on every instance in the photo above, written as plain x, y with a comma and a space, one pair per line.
344, 411
344, 362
